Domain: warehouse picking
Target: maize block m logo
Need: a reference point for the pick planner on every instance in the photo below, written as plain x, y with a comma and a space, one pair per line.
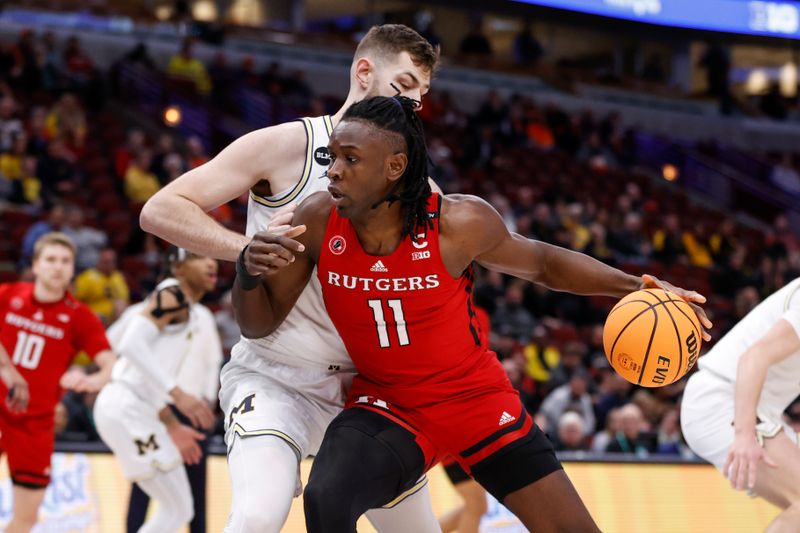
144, 445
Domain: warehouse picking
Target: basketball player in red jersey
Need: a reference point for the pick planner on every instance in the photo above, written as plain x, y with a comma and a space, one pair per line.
394, 262
43, 327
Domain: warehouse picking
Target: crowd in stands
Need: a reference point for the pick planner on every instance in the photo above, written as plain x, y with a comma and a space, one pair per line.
67, 163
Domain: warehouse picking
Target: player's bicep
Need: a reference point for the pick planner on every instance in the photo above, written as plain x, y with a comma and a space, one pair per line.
238, 167
780, 341
495, 247
515, 255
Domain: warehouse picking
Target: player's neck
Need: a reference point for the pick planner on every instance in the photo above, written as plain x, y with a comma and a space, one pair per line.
191, 294
351, 99
46, 295
379, 230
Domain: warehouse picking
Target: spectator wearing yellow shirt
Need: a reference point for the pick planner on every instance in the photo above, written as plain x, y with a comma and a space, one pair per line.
67, 119
103, 288
11, 161
140, 183
183, 66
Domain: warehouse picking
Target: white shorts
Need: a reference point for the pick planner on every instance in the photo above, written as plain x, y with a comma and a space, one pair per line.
261, 397
131, 428
707, 418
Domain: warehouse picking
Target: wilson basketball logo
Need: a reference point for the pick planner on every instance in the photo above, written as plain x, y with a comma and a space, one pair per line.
627, 362
337, 245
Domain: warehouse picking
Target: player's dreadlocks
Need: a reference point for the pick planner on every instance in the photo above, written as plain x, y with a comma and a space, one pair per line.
397, 115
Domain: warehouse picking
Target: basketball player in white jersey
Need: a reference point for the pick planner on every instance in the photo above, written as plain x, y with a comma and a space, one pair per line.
731, 414
279, 393
155, 340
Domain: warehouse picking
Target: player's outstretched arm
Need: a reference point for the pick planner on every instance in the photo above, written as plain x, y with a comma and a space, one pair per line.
274, 268
486, 239
78, 380
177, 213
781, 341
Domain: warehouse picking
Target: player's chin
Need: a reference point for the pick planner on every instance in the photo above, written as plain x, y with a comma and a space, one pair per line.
343, 210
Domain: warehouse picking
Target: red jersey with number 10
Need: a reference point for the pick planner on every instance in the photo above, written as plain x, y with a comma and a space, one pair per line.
42, 339
408, 325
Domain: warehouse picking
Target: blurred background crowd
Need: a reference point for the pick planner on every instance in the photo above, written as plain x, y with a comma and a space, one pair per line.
85, 142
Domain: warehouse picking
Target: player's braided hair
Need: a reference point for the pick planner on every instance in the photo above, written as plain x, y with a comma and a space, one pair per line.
397, 115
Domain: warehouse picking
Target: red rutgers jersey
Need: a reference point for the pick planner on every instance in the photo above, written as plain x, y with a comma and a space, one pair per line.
42, 339
409, 326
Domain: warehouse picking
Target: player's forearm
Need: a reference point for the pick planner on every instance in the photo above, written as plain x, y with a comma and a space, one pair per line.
750, 374
5, 360
568, 271
183, 223
253, 310
105, 361
167, 417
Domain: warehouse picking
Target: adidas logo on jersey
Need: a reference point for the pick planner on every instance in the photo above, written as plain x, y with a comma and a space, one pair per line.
506, 418
379, 267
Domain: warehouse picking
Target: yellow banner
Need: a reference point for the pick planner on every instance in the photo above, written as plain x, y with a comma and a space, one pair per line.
89, 495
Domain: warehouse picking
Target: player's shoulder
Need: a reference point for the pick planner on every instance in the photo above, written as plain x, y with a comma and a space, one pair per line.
17, 290
76, 307
462, 211
203, 312
279, 135
314, 208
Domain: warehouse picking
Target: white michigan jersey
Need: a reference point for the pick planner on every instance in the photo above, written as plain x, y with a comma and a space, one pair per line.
307, 337
173, 347
782, 383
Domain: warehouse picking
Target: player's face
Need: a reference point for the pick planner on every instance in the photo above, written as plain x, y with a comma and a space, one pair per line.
364, 167
412, 81
200, 272
54, 267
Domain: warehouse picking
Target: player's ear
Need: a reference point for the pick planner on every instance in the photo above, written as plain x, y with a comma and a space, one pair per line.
395, 166
363, 72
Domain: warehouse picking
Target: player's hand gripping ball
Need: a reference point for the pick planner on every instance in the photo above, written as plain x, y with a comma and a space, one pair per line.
652, 337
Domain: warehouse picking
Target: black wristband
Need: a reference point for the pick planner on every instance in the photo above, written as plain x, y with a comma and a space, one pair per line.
247, 281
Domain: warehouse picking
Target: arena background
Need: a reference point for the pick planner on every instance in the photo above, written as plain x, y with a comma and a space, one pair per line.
653, 135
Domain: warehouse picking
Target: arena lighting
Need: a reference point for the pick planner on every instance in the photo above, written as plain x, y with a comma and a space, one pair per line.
774, 18
172, 116
669, 172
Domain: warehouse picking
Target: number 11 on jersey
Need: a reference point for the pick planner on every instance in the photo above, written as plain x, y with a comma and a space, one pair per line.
399, 319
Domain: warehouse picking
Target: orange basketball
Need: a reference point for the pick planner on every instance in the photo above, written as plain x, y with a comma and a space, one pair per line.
652, 337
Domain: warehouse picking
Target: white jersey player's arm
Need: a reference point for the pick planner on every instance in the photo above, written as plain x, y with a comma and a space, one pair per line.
745, 454
137, 343
781, 341
177, 213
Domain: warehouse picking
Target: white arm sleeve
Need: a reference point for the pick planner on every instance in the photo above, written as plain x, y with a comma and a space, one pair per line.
137, 346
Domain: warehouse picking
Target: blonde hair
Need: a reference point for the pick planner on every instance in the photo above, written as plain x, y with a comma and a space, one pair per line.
54, 237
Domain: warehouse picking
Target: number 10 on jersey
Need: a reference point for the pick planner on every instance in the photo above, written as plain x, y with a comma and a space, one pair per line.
396, 307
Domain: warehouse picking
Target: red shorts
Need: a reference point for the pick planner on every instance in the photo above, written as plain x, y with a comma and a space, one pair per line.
470, 429
28, 442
